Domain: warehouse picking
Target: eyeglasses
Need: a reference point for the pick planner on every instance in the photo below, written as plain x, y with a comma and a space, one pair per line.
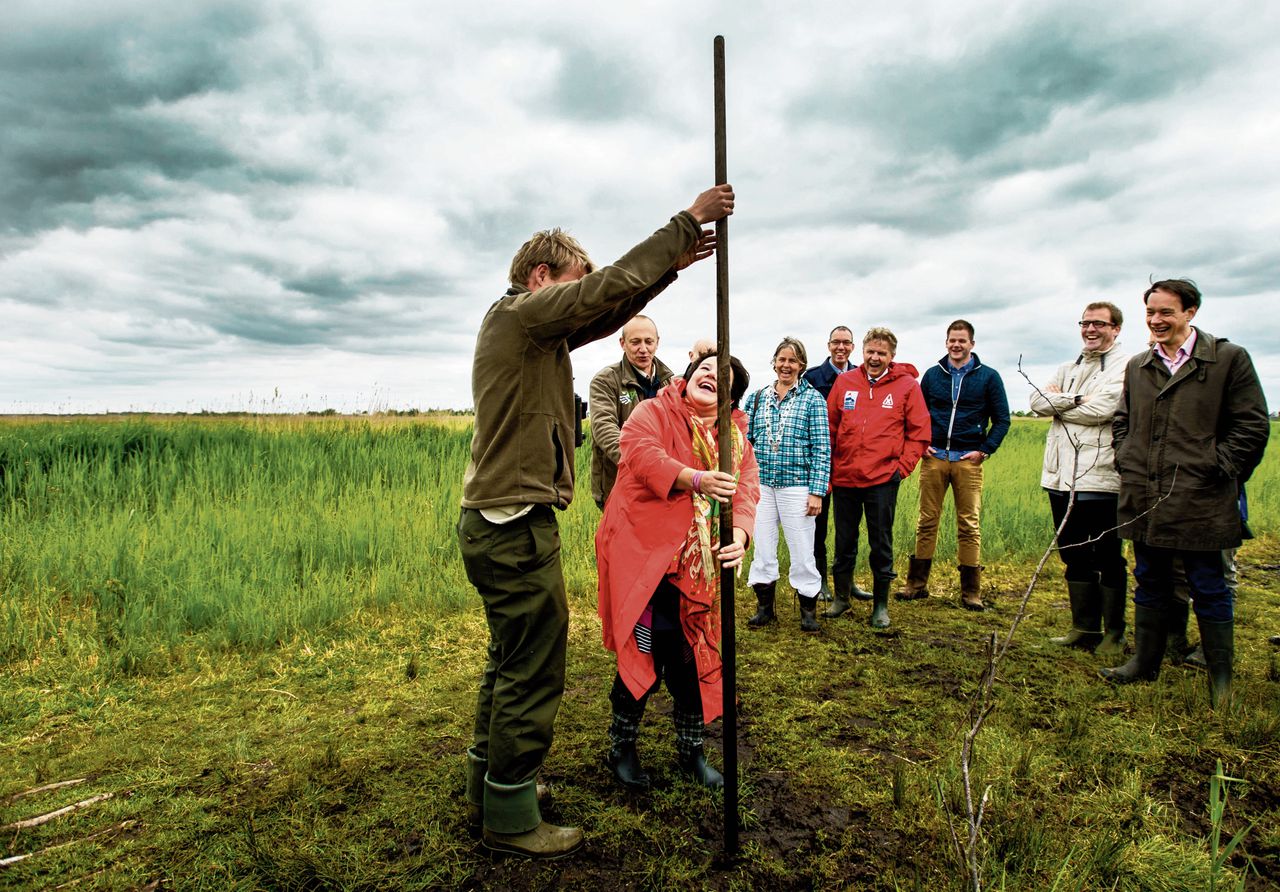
1094, 323
840, 343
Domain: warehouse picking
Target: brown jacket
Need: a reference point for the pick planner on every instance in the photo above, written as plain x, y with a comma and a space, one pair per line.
1191, 438
522, 379
616, 390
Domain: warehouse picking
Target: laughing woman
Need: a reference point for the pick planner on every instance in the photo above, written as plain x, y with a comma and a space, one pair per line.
659, 560
787, 425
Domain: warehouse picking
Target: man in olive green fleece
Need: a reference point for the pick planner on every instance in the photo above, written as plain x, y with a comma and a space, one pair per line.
616, 390
521, 469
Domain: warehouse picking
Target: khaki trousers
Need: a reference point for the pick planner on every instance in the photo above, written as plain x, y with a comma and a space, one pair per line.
965, 480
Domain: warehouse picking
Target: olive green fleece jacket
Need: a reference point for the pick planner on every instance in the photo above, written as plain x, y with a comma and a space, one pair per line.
522, 379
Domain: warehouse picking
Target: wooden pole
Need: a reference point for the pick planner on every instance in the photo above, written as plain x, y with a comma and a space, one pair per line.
728, 648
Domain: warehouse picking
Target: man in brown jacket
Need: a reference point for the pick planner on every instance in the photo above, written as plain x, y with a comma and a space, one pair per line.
1190, 428
521, 469
616, 390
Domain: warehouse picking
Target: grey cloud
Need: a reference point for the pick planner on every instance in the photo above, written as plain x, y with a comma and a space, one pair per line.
85, 110
983, 98
593, 86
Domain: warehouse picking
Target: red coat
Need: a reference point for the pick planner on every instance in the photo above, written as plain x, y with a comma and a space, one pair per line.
876, 430
645, 521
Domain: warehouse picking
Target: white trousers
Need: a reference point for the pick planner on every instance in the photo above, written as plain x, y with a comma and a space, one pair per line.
784, 506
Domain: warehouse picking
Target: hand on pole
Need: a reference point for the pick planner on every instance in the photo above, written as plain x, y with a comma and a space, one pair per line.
731, 555
703, 248
712, 205
717, 485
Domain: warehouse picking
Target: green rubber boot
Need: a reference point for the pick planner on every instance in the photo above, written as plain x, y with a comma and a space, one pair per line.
1086, 616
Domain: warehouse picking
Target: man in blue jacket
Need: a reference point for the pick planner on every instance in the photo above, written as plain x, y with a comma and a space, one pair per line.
970, 415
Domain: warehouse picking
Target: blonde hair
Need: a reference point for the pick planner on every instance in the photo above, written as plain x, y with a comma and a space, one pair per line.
881, 334
554, 247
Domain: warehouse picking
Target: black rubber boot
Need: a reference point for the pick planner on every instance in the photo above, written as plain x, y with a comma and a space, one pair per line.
840, 583
764, 598
1218, 641
1086, 616
1176, 645
1114, 601
860, 594
917, 579
809, 614
1149, 630
693, 765
880, 603
624, 761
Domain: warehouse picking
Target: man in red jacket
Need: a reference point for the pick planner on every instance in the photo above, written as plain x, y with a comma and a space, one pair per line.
879, 430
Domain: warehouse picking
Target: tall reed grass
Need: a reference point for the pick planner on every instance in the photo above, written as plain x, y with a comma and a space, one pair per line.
131, 540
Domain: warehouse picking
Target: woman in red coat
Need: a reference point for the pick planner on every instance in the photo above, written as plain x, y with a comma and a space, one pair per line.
659, 563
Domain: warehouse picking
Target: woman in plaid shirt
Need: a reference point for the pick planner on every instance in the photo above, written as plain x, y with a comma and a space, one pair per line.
787, 427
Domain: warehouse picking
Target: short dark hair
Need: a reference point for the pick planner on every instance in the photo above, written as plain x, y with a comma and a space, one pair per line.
961, 323
1117, 318
1184, 289
741, 377
831, 337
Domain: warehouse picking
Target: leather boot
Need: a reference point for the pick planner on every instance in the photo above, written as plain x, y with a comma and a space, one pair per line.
880, 603
1149, 631
840, 583
764, 598
1086, 616
971, 588
624, 762
809, 614
1113, 606
545, 841
917, 579
1218, 641
693, 765
513, 823
860, 594
1176, 644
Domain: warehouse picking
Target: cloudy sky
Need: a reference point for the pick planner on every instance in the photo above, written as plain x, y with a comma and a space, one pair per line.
287, 206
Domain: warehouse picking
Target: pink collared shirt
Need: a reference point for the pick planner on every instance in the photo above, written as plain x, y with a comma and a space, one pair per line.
1184, 353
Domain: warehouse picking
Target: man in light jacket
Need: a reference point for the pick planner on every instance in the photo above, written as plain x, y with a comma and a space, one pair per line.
1190, 428
1080, 477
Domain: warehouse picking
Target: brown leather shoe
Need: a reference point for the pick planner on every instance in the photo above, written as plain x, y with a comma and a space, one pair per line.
917, 579
546, 841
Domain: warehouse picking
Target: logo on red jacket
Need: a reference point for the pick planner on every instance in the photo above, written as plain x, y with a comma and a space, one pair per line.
850, 400
888, 402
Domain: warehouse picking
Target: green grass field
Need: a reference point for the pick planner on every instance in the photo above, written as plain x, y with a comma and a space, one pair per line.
256, 634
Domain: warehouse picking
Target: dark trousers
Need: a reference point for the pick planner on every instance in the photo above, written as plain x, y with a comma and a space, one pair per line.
1153, 569
880, 503
820, 538
516, 569
1093, 518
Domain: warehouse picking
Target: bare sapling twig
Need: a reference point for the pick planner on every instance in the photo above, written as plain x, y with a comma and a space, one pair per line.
44, 789
57, 813
984, 701
14, 859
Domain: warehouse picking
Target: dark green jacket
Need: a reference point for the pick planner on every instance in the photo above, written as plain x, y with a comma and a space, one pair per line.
522, 379
1185, 443
616, 390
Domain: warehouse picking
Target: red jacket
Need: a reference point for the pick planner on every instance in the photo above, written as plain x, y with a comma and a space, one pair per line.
876, 430
645, 521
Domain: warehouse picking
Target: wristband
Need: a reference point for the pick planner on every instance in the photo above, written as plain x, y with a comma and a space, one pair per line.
697, 481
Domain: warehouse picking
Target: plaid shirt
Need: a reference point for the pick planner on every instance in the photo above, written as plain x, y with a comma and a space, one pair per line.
802, 456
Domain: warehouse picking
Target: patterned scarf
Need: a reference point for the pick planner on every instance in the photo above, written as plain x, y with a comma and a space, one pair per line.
694, 566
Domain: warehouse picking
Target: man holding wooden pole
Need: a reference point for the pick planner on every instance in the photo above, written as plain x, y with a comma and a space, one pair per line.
521, 469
